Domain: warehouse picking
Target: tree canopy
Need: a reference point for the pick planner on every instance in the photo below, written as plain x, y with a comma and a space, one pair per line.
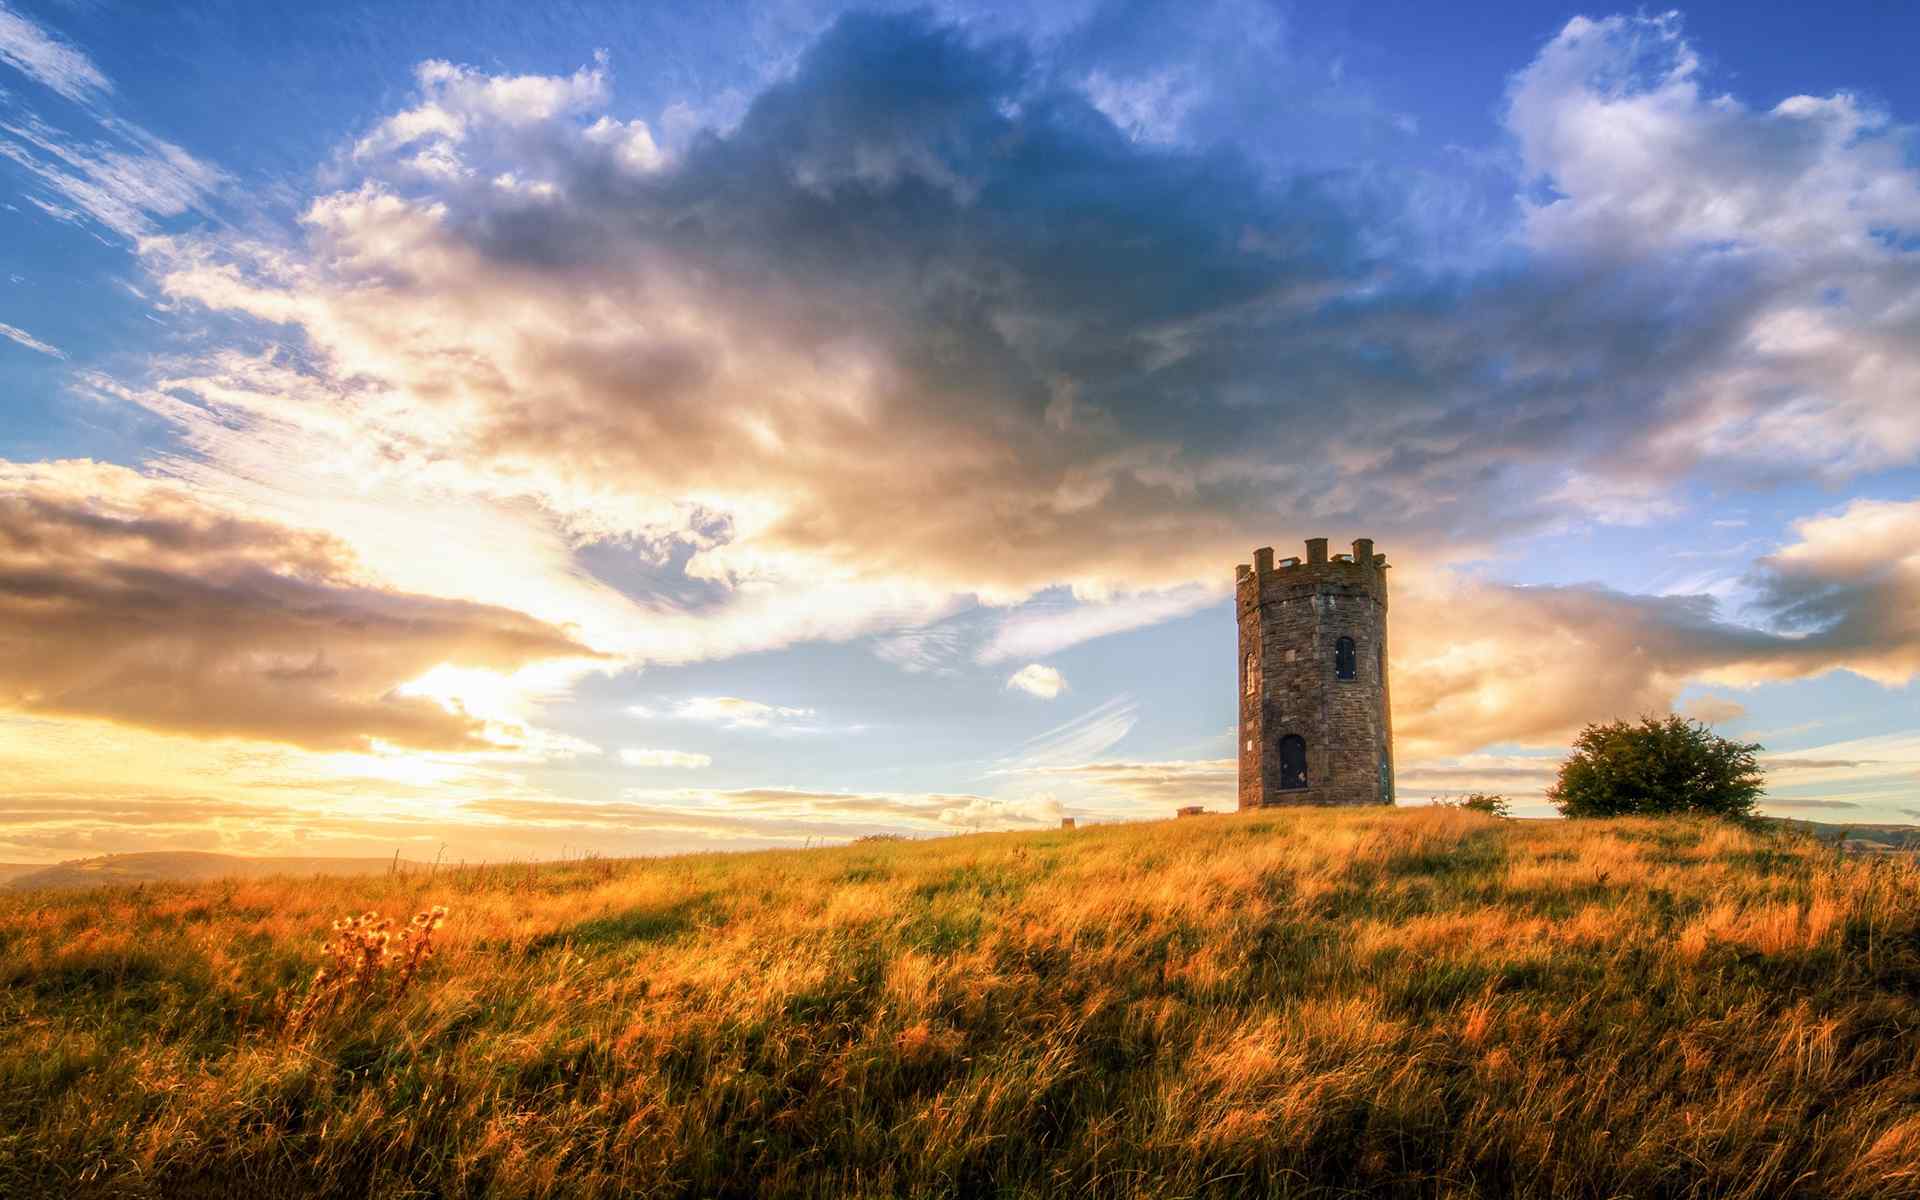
1657, 765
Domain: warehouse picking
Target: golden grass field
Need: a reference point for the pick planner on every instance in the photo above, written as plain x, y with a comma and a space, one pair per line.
1290, 1003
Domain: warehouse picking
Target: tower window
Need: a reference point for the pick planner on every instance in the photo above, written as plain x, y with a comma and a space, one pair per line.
1253, 676
1293, 762
1343, 658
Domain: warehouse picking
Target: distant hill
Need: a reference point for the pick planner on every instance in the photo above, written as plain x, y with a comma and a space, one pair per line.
178, 866
1858, 835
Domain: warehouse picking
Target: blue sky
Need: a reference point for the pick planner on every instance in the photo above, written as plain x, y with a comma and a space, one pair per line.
633, 427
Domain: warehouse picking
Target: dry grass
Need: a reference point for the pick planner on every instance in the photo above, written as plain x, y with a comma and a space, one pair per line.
1290, 1003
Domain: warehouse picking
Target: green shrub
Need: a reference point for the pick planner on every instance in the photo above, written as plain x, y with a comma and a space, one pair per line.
1658, 766
1492, 804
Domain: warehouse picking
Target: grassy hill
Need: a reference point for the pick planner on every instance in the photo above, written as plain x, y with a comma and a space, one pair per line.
1858, 836
181, 866
1296, 1003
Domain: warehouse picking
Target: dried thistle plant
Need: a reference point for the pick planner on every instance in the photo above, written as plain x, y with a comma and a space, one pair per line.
367, 963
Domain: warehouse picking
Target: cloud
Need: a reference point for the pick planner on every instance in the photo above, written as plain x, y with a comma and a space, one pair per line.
873, 327
88, 787
1766, 229
1474, 664
1077, 740
1046, 627
665, 758
787, 813
1036, 680
45, 58
458, 101
118, 175
1713, 710
29, 341
730, 711
125, 179
934, 649
982, 813
1209, 782
130, 600
868, 313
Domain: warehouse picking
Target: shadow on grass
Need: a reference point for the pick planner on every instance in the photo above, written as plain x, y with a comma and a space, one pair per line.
645, 924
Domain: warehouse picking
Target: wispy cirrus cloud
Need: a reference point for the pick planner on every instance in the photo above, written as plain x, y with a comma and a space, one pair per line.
1078, 740
117, 176
15, 334
49, 60
1048, 626
124, 180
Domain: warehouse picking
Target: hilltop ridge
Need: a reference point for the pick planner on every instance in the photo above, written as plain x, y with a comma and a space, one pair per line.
1288, 1002
179, 866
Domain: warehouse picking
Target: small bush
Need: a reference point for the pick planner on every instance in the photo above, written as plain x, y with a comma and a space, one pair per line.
1490, 803
1662, 765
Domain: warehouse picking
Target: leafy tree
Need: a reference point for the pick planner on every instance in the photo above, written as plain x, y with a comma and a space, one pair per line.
1659, 765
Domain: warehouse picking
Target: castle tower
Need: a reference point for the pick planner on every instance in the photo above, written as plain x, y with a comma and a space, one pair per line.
1315, 725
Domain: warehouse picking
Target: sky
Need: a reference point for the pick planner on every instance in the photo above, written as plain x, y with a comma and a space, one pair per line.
497, 431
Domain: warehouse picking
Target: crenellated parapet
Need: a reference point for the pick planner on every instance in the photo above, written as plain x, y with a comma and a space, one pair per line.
1362, 571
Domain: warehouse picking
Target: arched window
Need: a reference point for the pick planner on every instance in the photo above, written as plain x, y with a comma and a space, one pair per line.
1293, 762
1343, 658
1253, 674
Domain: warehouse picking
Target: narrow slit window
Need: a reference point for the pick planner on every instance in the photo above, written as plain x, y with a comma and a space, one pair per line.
1253, 677
1344, 658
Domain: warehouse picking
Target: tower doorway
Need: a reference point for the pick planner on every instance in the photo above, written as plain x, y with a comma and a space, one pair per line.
1293, 762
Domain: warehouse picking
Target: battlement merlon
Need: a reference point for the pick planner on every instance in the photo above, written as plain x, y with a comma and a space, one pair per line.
1364, 568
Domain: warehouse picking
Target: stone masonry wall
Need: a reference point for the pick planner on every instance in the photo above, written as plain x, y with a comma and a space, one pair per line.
1291, 616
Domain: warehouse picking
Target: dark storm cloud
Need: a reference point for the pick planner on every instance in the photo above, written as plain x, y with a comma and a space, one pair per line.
936, 309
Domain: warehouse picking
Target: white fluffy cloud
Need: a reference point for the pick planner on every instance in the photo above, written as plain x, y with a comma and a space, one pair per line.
457, 101
981, 812
1037, 680
1777, 232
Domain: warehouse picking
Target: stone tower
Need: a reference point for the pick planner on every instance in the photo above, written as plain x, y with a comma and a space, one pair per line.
1315, 725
